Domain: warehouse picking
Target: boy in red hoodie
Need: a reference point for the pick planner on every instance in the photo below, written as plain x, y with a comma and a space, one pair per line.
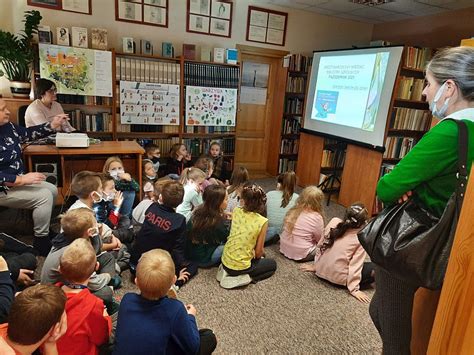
89, 325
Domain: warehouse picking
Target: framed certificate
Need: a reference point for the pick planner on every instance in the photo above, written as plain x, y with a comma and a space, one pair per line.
266, 26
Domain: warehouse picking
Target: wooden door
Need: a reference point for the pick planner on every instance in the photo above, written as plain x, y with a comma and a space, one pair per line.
254, 132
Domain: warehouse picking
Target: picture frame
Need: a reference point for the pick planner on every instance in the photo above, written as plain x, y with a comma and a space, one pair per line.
146, 47
128, 46
210, 17
145, 12
99, 38
78, 6
44, 34
79, 37
62, 36
266, 26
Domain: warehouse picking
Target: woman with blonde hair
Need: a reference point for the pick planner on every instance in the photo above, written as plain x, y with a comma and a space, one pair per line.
303, 226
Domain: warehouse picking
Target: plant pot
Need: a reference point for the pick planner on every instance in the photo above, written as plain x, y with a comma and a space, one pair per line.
20, 88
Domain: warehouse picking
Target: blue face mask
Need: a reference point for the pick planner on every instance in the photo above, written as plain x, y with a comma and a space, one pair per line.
441, 113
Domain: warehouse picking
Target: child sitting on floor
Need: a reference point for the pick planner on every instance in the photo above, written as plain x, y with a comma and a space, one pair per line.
37, 319
149, 177
191, 179
243, 252
164, 228
279, 203
178, 160
303, 226
208, 228
153, 153
239, 177
123, 182
88, 324
340, 258
152, 323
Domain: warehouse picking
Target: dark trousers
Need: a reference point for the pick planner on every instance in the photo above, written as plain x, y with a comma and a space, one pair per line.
391, 311
366, 275
208, 341
17, 261
191, 267
260, 269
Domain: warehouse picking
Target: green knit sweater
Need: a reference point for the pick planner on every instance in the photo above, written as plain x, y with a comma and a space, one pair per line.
429, 169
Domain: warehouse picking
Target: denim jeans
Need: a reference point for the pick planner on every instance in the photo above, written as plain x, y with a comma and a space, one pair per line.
127, 204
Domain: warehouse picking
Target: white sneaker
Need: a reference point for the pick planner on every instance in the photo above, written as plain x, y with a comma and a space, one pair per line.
221, 273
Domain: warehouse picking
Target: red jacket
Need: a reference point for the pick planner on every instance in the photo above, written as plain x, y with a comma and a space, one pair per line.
87, 328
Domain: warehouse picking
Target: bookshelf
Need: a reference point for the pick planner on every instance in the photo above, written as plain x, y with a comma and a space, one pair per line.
294, 103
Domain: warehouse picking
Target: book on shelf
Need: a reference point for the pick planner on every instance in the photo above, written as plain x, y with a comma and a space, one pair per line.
84, 100
410, 119
147, 70
296, 85
200, 146
289, 146
410, 88
167, 49
329, 159
206, 53
397, 147
286, 164
189, 51
211, 75
62, 36
219, 55
300, 63
44, 34
294, 106
99, 38
209, 129
231, 56
90, 122
79, 37
417, 58
291, 125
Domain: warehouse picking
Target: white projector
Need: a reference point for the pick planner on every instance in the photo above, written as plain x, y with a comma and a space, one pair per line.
72, 140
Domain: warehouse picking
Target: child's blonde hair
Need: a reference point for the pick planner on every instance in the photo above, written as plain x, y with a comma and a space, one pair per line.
75, 223
155, 274
110, 160
191, 174
78, 261
311, 198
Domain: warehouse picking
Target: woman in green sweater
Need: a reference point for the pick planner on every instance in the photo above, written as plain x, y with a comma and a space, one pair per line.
208, 228
429, 171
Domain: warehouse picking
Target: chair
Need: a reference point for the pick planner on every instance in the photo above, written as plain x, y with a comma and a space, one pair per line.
21, 115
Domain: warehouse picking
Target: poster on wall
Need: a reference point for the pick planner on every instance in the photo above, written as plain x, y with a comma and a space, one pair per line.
77, 71
210, 106
149, 103
253, 89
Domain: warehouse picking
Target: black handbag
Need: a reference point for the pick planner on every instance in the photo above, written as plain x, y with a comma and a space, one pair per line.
410, 242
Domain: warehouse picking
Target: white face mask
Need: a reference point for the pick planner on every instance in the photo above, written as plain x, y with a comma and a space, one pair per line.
109, 197
441, 113
97, 195
116, 173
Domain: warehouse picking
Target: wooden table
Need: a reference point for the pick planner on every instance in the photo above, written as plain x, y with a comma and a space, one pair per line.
92, 158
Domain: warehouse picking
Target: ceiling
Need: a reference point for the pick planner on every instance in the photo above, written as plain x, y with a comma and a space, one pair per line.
392, 11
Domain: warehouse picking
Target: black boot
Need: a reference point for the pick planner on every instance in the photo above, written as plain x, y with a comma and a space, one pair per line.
42, 245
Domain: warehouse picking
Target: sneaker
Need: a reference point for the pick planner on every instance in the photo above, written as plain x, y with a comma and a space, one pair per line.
229, 282
221, 273
112, 307
115, 282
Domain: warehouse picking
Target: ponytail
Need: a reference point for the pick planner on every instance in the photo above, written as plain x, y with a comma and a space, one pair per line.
355, 217
191, 174
287, 183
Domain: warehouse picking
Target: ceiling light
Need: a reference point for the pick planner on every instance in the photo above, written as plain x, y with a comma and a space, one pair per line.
370, 2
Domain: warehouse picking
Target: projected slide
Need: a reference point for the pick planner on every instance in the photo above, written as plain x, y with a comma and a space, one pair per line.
348, 89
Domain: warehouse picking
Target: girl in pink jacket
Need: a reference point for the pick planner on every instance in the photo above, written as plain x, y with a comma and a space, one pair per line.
340, 258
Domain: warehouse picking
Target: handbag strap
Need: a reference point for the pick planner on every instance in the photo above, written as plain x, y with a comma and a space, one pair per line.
462, 159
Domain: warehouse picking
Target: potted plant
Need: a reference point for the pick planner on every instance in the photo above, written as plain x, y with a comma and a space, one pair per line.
17, 52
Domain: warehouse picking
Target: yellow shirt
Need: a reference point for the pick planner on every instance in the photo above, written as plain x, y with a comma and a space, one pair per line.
240, 245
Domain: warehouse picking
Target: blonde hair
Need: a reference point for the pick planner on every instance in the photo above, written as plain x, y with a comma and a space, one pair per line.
75, 223
310, 199
191, 174
110, 160
78, 261
155, 274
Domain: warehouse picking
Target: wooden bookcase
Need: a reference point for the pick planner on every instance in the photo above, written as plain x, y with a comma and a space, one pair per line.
294, 106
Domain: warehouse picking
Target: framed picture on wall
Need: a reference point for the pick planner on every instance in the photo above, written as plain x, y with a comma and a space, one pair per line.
212, 17
266, 26
145, 12
79, 6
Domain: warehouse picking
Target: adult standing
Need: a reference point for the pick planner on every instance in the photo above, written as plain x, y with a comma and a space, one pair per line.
20, 190
45, 107
429, 171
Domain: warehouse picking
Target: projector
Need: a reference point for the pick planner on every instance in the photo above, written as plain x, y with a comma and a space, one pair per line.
72, 140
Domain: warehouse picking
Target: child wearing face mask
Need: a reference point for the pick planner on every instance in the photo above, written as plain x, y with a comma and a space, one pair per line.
123, 182
149, 177
153, 153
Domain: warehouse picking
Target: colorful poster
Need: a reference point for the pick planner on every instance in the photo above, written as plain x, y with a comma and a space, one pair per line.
149, 103
210, 106
77, 71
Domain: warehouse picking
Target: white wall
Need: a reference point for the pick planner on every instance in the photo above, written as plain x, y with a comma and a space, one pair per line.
305, 31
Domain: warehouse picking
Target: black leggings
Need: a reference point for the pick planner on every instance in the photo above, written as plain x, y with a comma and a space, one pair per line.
208, 341
260, 269
366, 275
